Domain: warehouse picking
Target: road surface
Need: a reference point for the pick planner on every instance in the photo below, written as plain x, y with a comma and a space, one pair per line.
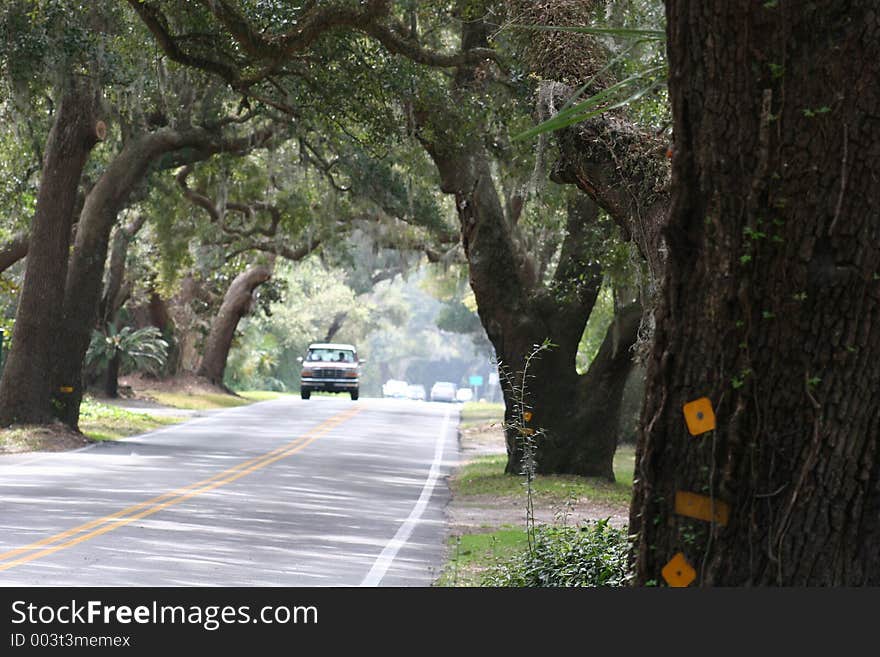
325, 492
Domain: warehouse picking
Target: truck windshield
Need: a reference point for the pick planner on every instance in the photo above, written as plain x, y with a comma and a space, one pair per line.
330, 356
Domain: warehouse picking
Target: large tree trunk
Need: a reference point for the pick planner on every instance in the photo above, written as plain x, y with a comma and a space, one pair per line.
25, 389
236, 304
86, 271
584, 412
519, 314
517, 311
771, 302
335, 326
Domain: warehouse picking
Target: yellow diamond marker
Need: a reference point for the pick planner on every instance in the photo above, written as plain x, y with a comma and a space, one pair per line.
678, 572
701, 507
527, 416
699, 416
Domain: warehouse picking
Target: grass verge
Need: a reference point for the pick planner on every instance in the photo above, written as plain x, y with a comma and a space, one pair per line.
206, 401
105, 422
485, 500
198, 401
262, 395
478, 414
470, 555
485, 476
97, 421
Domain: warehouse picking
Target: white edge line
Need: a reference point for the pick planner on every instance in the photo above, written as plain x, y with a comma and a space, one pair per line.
388, 554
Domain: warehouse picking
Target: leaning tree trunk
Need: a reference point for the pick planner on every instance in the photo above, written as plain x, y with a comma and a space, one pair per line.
26, 386
116, 292
84, 278
237, 302
116, 289
771, 303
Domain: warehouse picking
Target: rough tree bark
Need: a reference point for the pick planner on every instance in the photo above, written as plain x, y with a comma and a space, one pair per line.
771, 300
160, 317
237, 303
592, 408
26, 386
111, 380
624, 169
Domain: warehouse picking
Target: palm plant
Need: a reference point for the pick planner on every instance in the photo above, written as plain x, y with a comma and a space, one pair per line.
126, 350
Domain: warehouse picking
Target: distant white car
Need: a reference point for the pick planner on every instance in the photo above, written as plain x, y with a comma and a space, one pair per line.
416, 392
443, 391
395, 388
464, 395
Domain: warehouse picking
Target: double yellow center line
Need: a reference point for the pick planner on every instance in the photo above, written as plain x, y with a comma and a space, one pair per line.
99, 526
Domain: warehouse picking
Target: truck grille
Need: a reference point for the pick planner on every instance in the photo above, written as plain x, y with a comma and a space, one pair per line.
326, 373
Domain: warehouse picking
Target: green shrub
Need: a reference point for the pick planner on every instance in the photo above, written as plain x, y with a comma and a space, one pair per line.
594, 554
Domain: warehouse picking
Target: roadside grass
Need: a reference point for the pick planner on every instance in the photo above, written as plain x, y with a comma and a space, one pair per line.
97, 421
196, 401
100, 421
485, 476
262, 395
477, 414
470, 555
40, 438
105, 422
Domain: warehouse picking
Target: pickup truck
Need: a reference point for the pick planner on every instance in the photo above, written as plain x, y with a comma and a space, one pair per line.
330, 367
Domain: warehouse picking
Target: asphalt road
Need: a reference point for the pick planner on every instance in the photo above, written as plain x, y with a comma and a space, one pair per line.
325, 492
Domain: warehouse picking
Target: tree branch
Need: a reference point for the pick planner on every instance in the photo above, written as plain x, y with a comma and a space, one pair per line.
157, 24
397, 42
13, 250
625, 171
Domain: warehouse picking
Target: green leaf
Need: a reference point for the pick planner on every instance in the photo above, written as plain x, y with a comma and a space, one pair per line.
588, 108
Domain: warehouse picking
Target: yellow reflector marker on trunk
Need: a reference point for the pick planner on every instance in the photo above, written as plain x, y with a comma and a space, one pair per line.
678, 572
699, 416
701, 507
